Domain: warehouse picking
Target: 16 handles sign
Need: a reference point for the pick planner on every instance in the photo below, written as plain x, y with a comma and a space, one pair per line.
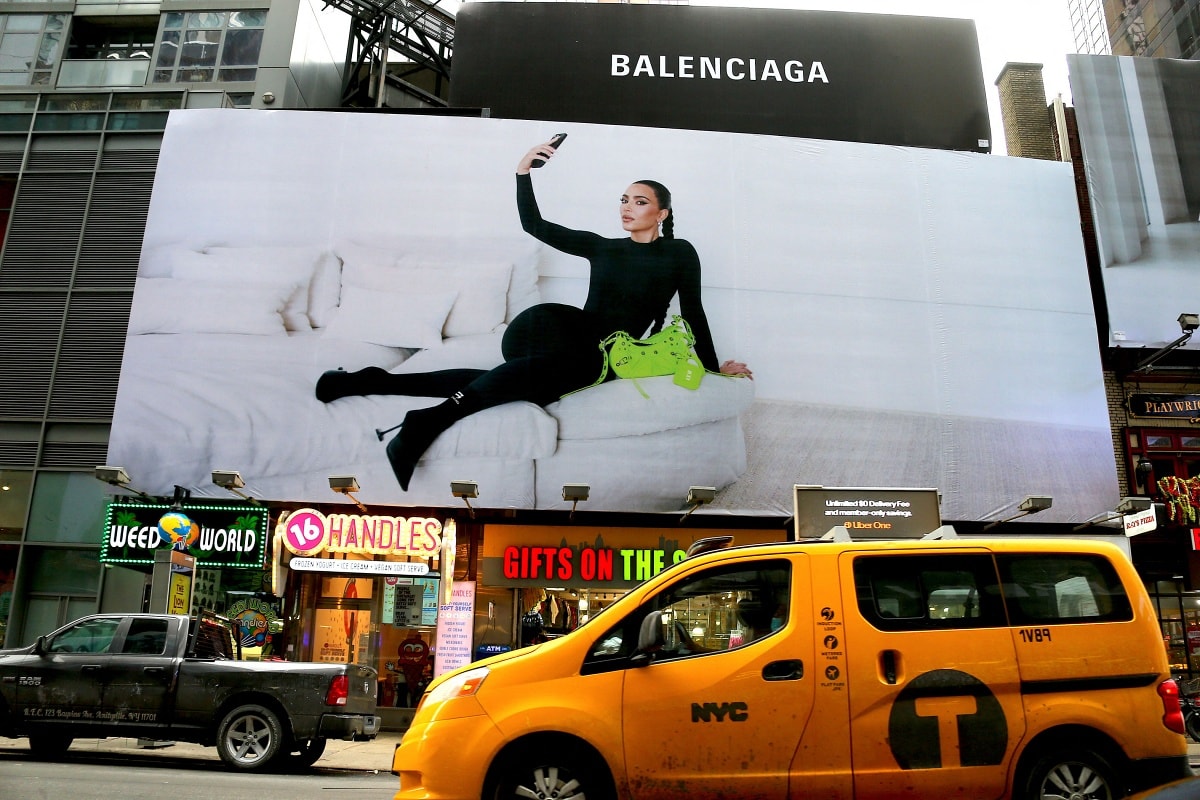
216, 536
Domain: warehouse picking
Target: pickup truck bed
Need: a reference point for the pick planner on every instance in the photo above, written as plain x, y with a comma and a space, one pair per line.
144, 675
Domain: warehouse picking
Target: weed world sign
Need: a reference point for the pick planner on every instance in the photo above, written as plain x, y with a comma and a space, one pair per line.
222, 536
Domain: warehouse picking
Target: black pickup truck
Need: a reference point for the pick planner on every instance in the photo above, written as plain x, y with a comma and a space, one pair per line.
170, 677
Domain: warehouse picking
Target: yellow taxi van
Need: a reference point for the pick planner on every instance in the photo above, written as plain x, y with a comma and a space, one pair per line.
899, 669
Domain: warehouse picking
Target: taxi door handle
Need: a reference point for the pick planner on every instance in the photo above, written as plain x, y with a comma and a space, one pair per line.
788, 670
887, 665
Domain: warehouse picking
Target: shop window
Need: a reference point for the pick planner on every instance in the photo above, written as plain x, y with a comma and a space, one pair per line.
1165, 464
202, 47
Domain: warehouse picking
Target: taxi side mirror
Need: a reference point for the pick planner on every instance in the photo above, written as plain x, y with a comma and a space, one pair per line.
650, 640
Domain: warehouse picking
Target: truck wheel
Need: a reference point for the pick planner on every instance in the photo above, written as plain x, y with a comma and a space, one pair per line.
49, 745
568, 775
249, 738
307, 752
1076, 774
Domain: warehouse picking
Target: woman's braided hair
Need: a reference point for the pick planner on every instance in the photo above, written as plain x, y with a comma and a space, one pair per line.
663, 195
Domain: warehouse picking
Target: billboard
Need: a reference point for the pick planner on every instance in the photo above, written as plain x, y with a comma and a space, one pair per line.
912, 317
879, 78
1139, 128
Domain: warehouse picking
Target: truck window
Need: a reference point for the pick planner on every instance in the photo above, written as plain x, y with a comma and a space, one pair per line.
1048, 588
146, 637
87, 636
921, 592
708, 612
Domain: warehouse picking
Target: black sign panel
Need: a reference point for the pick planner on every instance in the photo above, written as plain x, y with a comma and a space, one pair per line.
218, 536
875, 78
1165, 405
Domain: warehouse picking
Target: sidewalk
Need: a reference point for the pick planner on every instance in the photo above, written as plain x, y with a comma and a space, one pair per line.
372, 756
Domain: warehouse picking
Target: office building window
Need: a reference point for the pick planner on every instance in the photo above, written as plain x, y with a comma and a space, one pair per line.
30, 45
203, 46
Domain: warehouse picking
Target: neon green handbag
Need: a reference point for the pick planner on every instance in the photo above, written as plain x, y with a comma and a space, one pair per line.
668, 352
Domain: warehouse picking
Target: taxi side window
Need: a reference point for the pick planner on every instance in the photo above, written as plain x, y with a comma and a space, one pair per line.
89, 636
708, 612
926, 592
1052, 588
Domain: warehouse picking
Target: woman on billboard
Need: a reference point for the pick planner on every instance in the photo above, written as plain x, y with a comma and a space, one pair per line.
551, 349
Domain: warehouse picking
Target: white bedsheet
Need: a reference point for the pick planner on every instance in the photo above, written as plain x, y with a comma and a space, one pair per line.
224, 401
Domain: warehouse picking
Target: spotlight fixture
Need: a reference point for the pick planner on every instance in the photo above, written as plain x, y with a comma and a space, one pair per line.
231, 480
1128, 505
1030, 505
1188, 323
347, 485
466, 491
575, 493
117, 476
1133, 505
698, 496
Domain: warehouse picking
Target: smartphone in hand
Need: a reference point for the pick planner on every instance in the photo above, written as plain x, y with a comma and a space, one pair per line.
555, 143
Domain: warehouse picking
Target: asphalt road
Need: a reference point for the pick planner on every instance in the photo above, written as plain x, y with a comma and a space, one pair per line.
106, 775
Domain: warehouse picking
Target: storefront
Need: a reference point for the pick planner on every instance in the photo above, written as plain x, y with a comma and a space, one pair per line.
541, 582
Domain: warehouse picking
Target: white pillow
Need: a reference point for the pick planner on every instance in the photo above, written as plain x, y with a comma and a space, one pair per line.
482, 290
235, 269
271, 264
482, 287
174, 305
396, 319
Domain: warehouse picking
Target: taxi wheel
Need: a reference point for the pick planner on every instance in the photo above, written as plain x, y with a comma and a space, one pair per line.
249, 738
1073, 774
553, 776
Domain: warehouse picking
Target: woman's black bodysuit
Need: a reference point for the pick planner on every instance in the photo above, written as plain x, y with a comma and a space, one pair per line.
549, 349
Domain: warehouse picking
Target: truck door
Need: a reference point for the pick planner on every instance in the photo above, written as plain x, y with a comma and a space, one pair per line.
934, 687
64, 685
140, 673
725, 701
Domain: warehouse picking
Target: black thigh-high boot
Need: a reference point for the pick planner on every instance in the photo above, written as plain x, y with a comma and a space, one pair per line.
420, 428
338, 383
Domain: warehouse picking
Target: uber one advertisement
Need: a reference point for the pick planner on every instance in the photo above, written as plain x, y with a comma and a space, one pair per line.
1139, 128
409, 301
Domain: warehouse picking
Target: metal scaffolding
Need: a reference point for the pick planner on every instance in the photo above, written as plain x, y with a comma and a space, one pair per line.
420, 32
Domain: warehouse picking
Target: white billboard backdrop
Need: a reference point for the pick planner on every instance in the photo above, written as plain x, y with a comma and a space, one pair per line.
913, 317
1139, 127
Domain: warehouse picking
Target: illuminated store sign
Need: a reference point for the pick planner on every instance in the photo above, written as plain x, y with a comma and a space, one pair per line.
217, 536
306, 532
607, 558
